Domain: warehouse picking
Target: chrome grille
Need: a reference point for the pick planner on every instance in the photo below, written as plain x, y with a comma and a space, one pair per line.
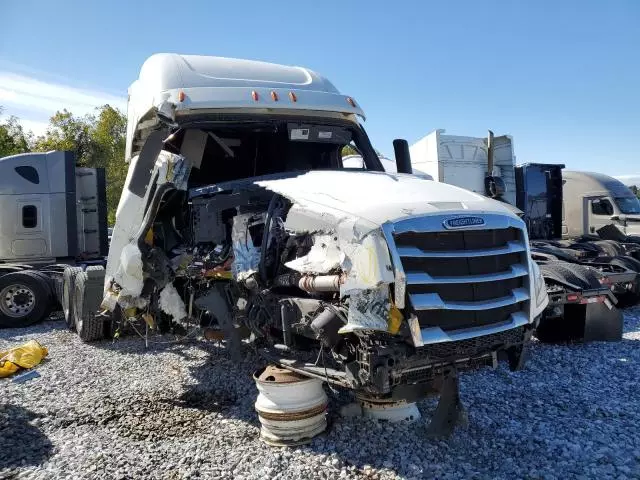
461, 278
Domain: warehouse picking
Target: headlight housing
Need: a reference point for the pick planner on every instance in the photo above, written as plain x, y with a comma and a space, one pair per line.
539, 287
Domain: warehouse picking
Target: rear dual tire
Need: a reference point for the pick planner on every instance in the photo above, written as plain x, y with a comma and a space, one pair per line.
68, 287
86, 299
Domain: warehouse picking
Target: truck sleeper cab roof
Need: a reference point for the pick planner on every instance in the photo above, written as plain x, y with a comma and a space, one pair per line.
174, 86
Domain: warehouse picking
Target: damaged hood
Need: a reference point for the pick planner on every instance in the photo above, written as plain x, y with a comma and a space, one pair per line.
374, 198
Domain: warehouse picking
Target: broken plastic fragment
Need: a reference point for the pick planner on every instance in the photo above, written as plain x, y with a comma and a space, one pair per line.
129, 274
395, 320
109, 301
416, 333
324, 256
367, 264
368, 310
173, 168
171, 303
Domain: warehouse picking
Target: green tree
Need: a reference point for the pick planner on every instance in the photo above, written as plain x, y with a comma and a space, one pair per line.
98, 142
13, 139
109, 136
66, 132
348, 150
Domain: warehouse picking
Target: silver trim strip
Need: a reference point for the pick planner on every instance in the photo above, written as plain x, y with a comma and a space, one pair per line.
423, 278
433, 222
511, 247
432, 301
437, 335
400, 279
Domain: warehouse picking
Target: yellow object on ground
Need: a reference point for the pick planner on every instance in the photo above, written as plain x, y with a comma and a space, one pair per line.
27, 356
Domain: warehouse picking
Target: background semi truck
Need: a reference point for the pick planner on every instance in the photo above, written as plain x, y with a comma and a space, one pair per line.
52, 214
593, 201
582, 272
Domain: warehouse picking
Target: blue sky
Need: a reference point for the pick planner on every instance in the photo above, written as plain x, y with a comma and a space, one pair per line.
563, 78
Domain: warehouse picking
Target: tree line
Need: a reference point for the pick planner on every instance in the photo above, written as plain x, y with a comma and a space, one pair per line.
98, 140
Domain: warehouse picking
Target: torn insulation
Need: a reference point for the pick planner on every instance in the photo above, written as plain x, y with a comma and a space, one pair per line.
246, 254
325, 255
171, 303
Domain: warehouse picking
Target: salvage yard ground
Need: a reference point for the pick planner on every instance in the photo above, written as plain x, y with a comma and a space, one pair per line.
184, 410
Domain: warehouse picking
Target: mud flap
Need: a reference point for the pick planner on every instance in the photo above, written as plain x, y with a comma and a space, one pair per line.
450, 412
602, 323
588, 323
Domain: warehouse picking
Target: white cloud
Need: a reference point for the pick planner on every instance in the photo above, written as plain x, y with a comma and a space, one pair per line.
629, 180
34, 101
36, 127
28, 93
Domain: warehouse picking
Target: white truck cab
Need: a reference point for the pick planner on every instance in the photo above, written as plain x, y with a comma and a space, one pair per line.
594, 200
239, 211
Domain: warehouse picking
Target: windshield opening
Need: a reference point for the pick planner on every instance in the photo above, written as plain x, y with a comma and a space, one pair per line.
628, 205
232, 151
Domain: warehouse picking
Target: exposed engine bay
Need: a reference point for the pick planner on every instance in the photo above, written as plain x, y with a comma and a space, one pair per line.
309, 285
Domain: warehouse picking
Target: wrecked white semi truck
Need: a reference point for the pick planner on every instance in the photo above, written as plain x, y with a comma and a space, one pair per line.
238, 211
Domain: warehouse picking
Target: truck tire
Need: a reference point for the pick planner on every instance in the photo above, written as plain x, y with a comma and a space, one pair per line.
582, 277
610, 248
24, 299
622, 261
68, 287
48, 282
87, 296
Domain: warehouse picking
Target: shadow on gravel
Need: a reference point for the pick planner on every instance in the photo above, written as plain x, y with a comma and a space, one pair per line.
147, 416
18, 334
22, 443
568, 403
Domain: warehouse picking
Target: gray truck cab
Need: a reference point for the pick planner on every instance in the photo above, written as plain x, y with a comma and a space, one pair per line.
594, 200
51, 212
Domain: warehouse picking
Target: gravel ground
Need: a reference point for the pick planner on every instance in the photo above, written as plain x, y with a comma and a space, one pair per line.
114, 410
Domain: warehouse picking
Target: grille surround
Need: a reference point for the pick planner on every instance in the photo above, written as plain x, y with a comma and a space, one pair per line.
462, 278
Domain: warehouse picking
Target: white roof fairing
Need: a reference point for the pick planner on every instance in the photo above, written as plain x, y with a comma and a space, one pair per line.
219, 82
171, 70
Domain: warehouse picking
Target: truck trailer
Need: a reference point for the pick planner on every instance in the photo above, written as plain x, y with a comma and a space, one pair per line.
238, 212
585, 276
53, 214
